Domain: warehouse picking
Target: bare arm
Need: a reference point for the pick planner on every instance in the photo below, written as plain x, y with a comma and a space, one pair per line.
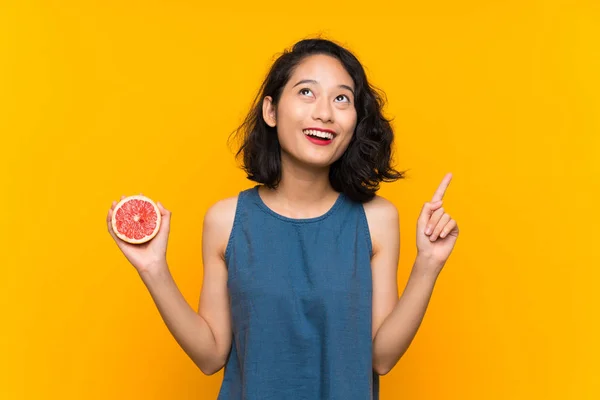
191, 331
400, 327
383, 220
396, 322
205, 335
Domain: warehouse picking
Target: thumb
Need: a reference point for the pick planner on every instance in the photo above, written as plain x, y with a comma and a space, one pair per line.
428, 209
165, 215
162, 209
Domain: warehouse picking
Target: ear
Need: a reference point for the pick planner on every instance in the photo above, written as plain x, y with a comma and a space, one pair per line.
269, 111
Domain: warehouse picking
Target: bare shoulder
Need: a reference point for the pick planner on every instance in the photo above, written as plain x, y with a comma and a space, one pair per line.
380, 207
218, 222
383, 220
222, 211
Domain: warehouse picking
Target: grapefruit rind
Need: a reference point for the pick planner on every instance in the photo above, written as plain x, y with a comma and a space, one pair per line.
132, 240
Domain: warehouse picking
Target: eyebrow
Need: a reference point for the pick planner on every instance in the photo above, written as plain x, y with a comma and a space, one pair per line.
316, 83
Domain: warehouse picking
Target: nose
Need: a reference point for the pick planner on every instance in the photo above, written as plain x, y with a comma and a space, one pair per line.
322, 110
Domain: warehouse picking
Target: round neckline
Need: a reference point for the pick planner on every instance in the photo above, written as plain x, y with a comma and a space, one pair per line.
268, 210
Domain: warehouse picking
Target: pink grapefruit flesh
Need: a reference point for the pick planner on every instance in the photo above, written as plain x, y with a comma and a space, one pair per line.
136, 219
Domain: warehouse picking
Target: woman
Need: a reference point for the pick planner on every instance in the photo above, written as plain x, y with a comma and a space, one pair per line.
299, 298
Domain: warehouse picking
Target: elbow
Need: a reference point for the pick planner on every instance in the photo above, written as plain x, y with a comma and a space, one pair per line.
209, 371
384, 367
381, 370
211, 368
211, 365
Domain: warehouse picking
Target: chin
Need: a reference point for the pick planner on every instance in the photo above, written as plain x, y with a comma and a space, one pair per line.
318, 162
310, 160
311, 157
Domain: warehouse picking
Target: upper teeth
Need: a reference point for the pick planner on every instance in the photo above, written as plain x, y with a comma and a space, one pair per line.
325, 135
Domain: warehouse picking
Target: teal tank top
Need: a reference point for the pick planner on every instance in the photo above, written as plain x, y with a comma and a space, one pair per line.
300, 292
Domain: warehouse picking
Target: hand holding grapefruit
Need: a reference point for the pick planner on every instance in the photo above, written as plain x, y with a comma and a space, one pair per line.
136, 219
140, 227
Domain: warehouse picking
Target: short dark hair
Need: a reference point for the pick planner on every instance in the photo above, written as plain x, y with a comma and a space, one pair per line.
367, 160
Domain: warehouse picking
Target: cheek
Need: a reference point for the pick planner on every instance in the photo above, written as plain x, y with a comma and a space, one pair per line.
347, 116
298, 113
349, 123
345, 144
291, 116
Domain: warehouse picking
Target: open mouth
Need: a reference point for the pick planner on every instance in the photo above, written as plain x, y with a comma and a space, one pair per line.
318, 136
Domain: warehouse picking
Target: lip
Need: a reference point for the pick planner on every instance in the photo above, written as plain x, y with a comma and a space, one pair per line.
321, 130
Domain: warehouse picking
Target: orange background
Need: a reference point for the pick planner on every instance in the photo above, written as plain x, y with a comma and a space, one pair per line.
100, 99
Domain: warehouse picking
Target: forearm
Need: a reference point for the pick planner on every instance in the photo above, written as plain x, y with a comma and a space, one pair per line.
189, 329
400, 327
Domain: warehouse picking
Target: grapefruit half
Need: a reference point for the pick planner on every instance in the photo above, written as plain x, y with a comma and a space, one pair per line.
136, 219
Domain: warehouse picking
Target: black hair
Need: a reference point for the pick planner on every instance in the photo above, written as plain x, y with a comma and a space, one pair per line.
367, 160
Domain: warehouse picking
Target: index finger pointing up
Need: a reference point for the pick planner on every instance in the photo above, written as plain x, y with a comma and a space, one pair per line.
441, 190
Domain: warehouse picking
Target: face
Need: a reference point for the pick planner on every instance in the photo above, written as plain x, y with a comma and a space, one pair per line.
315, 117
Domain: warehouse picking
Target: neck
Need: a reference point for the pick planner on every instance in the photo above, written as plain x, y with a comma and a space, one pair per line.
302, 191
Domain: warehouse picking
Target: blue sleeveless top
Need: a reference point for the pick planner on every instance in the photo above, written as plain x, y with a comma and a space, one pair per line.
301, 303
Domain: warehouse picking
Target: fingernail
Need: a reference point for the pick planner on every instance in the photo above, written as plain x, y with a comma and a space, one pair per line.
428, 231
443, 235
